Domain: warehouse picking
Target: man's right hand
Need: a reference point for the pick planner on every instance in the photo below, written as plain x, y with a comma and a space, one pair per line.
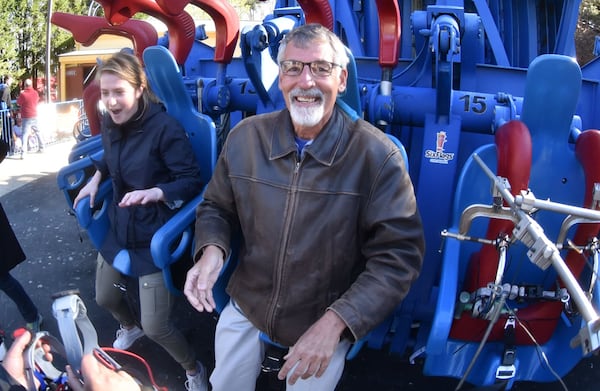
201, 278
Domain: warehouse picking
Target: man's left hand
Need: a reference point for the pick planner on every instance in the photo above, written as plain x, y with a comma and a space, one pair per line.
310, 356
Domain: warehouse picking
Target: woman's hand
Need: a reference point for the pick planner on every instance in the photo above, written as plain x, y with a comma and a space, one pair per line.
142, 197
90, 189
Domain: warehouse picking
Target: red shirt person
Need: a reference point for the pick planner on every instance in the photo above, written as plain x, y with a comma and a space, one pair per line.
28, 101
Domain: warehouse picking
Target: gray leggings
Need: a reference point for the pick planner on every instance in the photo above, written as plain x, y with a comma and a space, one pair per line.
156, 303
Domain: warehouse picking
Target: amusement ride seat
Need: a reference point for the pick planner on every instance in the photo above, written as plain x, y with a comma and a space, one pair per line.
533, 154
174, 239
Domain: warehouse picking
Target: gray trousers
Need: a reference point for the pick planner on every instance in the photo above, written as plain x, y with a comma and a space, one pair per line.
239, 353
156, 303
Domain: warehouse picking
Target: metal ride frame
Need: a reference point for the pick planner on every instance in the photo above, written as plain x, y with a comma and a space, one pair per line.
542, 252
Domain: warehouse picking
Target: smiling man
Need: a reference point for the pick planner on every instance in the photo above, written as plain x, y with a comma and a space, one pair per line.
332, 237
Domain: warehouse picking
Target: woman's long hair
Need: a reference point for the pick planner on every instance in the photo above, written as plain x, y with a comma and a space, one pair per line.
127, 67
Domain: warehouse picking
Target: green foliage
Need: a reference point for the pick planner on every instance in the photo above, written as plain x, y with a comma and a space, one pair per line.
241, 6
588, 28
246, 5
8, 38
23, 36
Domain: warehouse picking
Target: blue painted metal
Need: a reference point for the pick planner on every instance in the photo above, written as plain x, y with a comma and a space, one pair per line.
85, 148
165, 79
74, 176
95, 220
464, 69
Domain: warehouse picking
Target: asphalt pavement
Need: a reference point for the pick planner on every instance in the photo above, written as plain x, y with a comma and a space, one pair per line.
60, 257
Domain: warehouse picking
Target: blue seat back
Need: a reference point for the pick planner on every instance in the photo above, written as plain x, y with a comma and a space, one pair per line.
165, 79
349, 100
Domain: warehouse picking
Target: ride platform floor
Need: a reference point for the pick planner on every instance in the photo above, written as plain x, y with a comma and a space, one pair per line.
61, 257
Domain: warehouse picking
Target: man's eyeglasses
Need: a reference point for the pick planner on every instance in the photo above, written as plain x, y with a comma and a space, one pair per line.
317, 68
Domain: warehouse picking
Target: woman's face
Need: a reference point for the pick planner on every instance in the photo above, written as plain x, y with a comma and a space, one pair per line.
119, 97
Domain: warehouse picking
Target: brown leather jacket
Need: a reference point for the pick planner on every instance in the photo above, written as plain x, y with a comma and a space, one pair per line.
337, 229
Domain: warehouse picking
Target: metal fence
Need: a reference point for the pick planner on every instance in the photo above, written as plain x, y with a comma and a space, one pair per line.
7, 124
56, 121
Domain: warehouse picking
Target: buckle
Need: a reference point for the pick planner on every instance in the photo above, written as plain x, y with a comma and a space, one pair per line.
37, 366
505, 372
273, 360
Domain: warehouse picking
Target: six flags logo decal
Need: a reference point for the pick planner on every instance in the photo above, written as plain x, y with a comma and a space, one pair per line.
439, 156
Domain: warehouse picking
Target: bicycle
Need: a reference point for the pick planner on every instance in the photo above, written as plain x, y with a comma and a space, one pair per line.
33, 144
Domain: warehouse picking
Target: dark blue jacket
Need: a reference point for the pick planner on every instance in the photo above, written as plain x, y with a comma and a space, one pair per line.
150, 150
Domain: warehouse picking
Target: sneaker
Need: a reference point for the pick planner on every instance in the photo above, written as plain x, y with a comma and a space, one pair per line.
197, 382
126, 337
36, 325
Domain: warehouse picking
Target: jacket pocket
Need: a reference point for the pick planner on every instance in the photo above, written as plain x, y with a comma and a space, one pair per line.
143, 221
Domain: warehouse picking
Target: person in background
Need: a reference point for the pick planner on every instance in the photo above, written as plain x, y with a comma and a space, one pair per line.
17, 134
5, 93
28, 101
150, 162
12, 255
326, 211
5, 112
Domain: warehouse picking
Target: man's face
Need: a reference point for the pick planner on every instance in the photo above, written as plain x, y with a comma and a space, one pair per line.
309, 98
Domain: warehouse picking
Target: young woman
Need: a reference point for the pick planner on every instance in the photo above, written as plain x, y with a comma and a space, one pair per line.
150, 162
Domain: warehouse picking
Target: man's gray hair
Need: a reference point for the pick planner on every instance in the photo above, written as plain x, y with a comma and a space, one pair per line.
305, 35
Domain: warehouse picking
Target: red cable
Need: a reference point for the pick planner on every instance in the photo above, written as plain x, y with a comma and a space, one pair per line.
128, 353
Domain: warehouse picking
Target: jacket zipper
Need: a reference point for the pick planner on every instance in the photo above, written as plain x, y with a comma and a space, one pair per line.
281, 256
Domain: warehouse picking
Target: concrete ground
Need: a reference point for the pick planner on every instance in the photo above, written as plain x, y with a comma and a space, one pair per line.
60, 257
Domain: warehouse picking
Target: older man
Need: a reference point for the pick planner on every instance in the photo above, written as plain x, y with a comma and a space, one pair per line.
332, 236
